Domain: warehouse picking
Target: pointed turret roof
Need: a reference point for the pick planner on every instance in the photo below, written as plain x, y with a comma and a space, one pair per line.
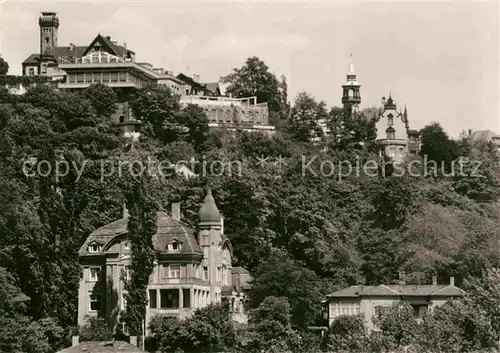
209, 211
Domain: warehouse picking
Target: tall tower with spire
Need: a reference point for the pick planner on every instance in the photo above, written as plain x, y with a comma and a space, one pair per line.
351, 96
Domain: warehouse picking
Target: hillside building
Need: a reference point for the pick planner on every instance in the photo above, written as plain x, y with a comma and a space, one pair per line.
193, 268
370, 301
109, 62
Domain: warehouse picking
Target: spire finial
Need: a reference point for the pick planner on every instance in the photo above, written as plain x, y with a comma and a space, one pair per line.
351, 65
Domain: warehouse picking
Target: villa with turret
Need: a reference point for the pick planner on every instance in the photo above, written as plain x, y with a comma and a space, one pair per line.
193, 268
394, 137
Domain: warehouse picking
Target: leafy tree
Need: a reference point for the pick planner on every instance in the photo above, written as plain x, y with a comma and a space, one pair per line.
141, 228
381, 255
288, 279
19, 332
157, 108
102, 98
350, 131
398, 325
95, 329
272, 324
210, 326
437, 149
455, 327
4, 67
196, 122
347, 334
254, 79
305, 115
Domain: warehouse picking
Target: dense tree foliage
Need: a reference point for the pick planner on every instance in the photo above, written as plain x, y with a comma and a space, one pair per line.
4, 67
304, 218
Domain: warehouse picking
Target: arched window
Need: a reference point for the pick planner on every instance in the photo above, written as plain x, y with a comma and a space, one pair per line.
350, 93
391, 133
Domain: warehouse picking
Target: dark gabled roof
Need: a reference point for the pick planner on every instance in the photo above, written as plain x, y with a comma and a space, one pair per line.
190, 81
168, 229
102, 347
213, 88
399, 290
115, 49
31, 60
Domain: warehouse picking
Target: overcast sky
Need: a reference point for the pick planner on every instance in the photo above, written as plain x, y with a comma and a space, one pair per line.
441, 59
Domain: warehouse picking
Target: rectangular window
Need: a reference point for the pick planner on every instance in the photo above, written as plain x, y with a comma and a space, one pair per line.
94, 274
169, 298
122, 77
205, 273
105, 77
44, 68
95, 302
152, 299
186, 297
31, 71
128, 273
80, 78
114, 77
165, 270
224, 276
175, 271
124, 302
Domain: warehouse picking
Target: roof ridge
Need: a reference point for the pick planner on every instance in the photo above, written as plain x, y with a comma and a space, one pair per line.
389, 288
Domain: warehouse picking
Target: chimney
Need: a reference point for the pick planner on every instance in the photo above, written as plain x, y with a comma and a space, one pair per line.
176, 211
434, 280
125, 45
196, 78
133, 340
221, 224
402, 278
75, 340
452, 281
71, 46
108, 37
470, 132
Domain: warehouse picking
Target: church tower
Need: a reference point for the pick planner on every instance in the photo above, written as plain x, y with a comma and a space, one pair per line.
49, 23
351, 97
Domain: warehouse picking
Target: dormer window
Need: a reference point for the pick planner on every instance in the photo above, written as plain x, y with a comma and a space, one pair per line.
94, 248
126, 246
174, 246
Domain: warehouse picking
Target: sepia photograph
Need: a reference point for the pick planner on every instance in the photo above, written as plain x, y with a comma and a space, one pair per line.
249, 176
